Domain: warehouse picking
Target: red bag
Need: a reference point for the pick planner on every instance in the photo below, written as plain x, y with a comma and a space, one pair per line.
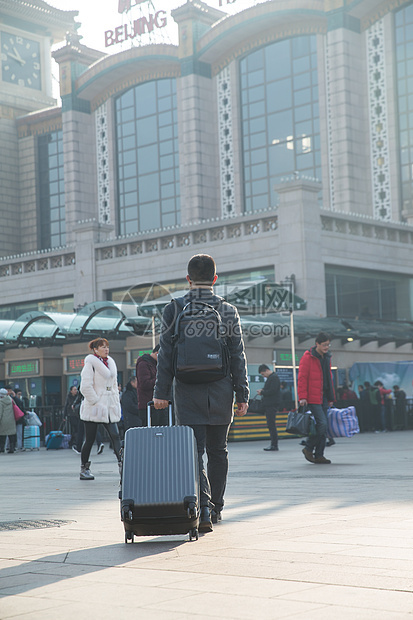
18, 413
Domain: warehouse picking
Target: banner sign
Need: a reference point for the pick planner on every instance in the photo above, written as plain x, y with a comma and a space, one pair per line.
23, 368
389, 373
74, 364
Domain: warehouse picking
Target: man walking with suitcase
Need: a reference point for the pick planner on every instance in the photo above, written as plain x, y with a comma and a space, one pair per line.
204, 394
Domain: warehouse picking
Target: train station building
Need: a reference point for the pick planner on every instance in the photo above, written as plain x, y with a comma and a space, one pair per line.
276, 139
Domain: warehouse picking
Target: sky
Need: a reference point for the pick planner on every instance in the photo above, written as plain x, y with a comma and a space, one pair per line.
97, 16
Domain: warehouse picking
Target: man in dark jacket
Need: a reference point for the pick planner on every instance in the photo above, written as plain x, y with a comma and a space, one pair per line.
271, 398
129, 403
146, 366
206, 407
70, 414
315, 391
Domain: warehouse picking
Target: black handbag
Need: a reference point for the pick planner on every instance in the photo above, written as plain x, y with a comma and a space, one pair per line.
256, 405
299, 423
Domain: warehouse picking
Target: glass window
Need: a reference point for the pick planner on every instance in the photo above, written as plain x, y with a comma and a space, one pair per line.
146, 130
148, 188
280, 117
279, 95
51, 190
149, 216
366, 294
152, 105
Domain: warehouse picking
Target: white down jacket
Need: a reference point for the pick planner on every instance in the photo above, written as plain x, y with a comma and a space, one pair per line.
99, 386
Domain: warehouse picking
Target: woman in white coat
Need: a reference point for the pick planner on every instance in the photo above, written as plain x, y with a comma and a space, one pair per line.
101, 405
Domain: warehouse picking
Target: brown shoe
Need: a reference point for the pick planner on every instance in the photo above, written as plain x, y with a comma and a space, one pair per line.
321, 460
308, 455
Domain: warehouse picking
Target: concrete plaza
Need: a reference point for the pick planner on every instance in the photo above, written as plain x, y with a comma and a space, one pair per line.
322, 542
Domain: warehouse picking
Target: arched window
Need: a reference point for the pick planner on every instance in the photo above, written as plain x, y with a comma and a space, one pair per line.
148, 162
280, 117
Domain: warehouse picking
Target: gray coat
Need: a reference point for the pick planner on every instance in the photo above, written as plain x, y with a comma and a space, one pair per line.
7, 421
204, 403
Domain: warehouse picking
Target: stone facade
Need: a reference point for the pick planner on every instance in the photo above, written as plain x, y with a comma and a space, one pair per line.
348, 228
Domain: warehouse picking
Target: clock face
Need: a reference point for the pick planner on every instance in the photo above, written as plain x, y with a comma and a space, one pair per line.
20, 61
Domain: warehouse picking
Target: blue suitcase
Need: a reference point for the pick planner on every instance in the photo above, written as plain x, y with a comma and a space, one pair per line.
31, 438
54, 440
160, 481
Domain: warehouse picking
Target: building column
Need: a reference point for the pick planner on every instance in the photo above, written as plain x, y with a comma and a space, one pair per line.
79, 136
347, 117
197, 118
87, 234
300, 250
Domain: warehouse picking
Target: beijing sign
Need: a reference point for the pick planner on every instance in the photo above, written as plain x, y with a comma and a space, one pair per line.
138, 27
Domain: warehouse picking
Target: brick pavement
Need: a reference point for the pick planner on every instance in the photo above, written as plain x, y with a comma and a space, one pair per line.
297, 540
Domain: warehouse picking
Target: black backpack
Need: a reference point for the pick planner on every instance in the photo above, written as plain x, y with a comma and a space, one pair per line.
200, 351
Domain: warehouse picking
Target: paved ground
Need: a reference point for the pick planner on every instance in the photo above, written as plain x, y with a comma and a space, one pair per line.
298, 540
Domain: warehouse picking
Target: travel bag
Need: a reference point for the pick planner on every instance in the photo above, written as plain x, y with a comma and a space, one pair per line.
31, 437
160, 481
342, 422
54, 440
57, 439
299, 423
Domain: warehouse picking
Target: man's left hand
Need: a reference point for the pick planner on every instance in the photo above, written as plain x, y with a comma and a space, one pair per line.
242, 409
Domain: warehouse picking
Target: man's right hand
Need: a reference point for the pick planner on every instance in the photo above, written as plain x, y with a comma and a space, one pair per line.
160, 404
242, 409
303, 402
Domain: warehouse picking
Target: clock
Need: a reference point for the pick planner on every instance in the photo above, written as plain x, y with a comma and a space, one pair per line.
20, 61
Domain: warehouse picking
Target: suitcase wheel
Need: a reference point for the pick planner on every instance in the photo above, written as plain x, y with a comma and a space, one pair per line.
129, 537
193, 534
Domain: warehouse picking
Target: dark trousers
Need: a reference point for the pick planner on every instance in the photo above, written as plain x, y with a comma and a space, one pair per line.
91, 428
12, 442
81, 433
318, 441
272, 427
75, 422
213, 440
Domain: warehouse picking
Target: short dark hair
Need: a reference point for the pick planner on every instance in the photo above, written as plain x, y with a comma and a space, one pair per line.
322, 337
396, 387
377, 383
367, 384
202, 269
263, 367
156, 348
97, 342
71, 387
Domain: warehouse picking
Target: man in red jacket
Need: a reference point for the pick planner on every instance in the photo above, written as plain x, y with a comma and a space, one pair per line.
315, 392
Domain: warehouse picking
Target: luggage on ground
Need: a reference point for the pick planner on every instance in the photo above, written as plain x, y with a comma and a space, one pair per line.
54, 440
160, 481
57, 439
31, 437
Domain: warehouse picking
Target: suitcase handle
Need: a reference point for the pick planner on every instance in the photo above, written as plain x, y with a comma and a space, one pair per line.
169, 412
